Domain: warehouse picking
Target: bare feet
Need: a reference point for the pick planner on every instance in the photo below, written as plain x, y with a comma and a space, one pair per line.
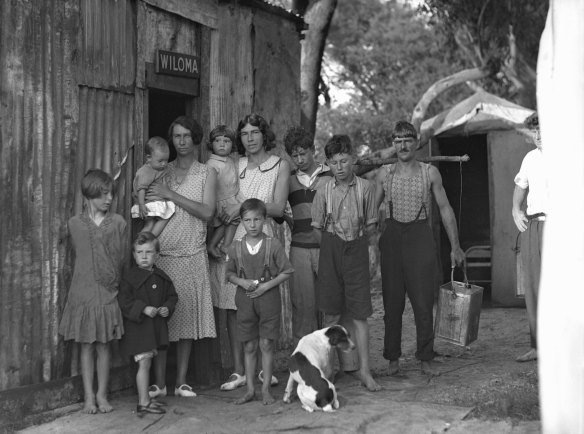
367, 380
429, 369
249, 396
393, 367
528, 356
103, 405
89, 406
267, 397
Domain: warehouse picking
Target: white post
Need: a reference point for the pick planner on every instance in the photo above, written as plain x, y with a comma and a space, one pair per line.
560, 97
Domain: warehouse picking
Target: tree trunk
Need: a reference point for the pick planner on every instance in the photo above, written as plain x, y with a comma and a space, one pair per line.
439, 87
318, 16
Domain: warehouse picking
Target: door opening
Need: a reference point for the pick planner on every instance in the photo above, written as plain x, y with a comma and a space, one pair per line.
163, 108
472, 207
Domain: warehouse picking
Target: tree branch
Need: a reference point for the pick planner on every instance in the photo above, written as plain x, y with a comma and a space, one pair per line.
439, 87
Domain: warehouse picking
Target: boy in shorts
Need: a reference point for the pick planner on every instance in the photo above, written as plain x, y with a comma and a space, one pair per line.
257, 265
344, 212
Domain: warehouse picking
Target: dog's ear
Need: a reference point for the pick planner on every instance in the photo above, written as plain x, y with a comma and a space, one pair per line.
322, 399
336, 334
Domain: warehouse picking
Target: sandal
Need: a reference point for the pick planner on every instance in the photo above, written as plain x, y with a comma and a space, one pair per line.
273, 382
235, 380
149, 408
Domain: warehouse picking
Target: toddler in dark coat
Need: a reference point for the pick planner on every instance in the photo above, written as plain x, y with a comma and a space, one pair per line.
147, 299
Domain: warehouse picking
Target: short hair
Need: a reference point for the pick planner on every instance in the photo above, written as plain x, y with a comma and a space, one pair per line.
532, 121
145, 238
253, 204
155, 143
218, 131
96, 182
338, 144
298, 137
404, 129
191, 125
257, 121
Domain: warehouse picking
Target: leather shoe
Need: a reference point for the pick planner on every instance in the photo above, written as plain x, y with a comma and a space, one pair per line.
149, 408
155, 391
185, 391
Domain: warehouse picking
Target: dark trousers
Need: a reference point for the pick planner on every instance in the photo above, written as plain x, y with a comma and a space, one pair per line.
408, 265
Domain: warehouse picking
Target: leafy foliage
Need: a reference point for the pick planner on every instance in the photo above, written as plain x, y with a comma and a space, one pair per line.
388, 54
481, 29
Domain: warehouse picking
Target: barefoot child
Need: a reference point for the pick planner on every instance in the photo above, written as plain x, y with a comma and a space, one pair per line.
257, 265
150, 207
221, 141
344, 212
147, 299
92, 316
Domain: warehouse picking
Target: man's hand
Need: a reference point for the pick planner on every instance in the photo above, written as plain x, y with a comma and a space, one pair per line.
150, 311
163, 311
457, 256
520, 219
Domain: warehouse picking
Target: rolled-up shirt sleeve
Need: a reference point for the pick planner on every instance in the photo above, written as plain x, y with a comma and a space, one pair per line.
370, 213
318, 209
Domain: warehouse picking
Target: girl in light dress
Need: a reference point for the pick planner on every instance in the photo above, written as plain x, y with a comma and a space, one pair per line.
92, 316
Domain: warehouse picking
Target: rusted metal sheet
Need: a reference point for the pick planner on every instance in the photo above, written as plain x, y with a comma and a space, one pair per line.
36, 144
107, 46
232, 67
73, 97
106, 136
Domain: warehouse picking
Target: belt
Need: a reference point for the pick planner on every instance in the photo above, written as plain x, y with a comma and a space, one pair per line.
537, 216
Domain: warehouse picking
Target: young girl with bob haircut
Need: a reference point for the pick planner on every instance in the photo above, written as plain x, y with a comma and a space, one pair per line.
92, 316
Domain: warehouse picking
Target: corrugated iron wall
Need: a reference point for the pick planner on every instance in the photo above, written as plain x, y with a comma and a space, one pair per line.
70, 102
36, 153
67, 105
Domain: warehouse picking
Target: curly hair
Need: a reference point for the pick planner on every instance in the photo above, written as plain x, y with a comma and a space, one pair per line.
256, 121
297, 137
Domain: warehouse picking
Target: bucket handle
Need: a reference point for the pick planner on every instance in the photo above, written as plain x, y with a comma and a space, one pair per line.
466, 284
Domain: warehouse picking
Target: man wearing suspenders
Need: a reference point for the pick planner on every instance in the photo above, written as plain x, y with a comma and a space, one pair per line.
408, 252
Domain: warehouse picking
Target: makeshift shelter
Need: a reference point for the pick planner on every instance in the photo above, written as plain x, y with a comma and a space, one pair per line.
488, 129
84, 83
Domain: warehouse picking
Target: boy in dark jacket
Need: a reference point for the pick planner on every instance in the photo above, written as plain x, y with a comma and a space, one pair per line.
147, 299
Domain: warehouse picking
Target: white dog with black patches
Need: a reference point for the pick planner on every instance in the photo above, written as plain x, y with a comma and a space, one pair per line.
310, 366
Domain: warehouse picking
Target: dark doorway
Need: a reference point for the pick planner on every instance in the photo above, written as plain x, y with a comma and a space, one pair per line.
163, 108
470, 201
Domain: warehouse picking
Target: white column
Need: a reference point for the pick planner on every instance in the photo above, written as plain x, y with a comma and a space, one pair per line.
560, 97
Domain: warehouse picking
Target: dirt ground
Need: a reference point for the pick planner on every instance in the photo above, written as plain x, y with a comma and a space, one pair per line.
481, 389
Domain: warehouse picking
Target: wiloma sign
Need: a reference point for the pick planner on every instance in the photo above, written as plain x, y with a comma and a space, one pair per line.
183, 65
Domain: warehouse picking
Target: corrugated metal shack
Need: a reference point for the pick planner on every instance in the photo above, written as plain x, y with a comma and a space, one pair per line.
83, 84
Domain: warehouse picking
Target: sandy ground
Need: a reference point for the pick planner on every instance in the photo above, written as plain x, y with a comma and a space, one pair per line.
481, 389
